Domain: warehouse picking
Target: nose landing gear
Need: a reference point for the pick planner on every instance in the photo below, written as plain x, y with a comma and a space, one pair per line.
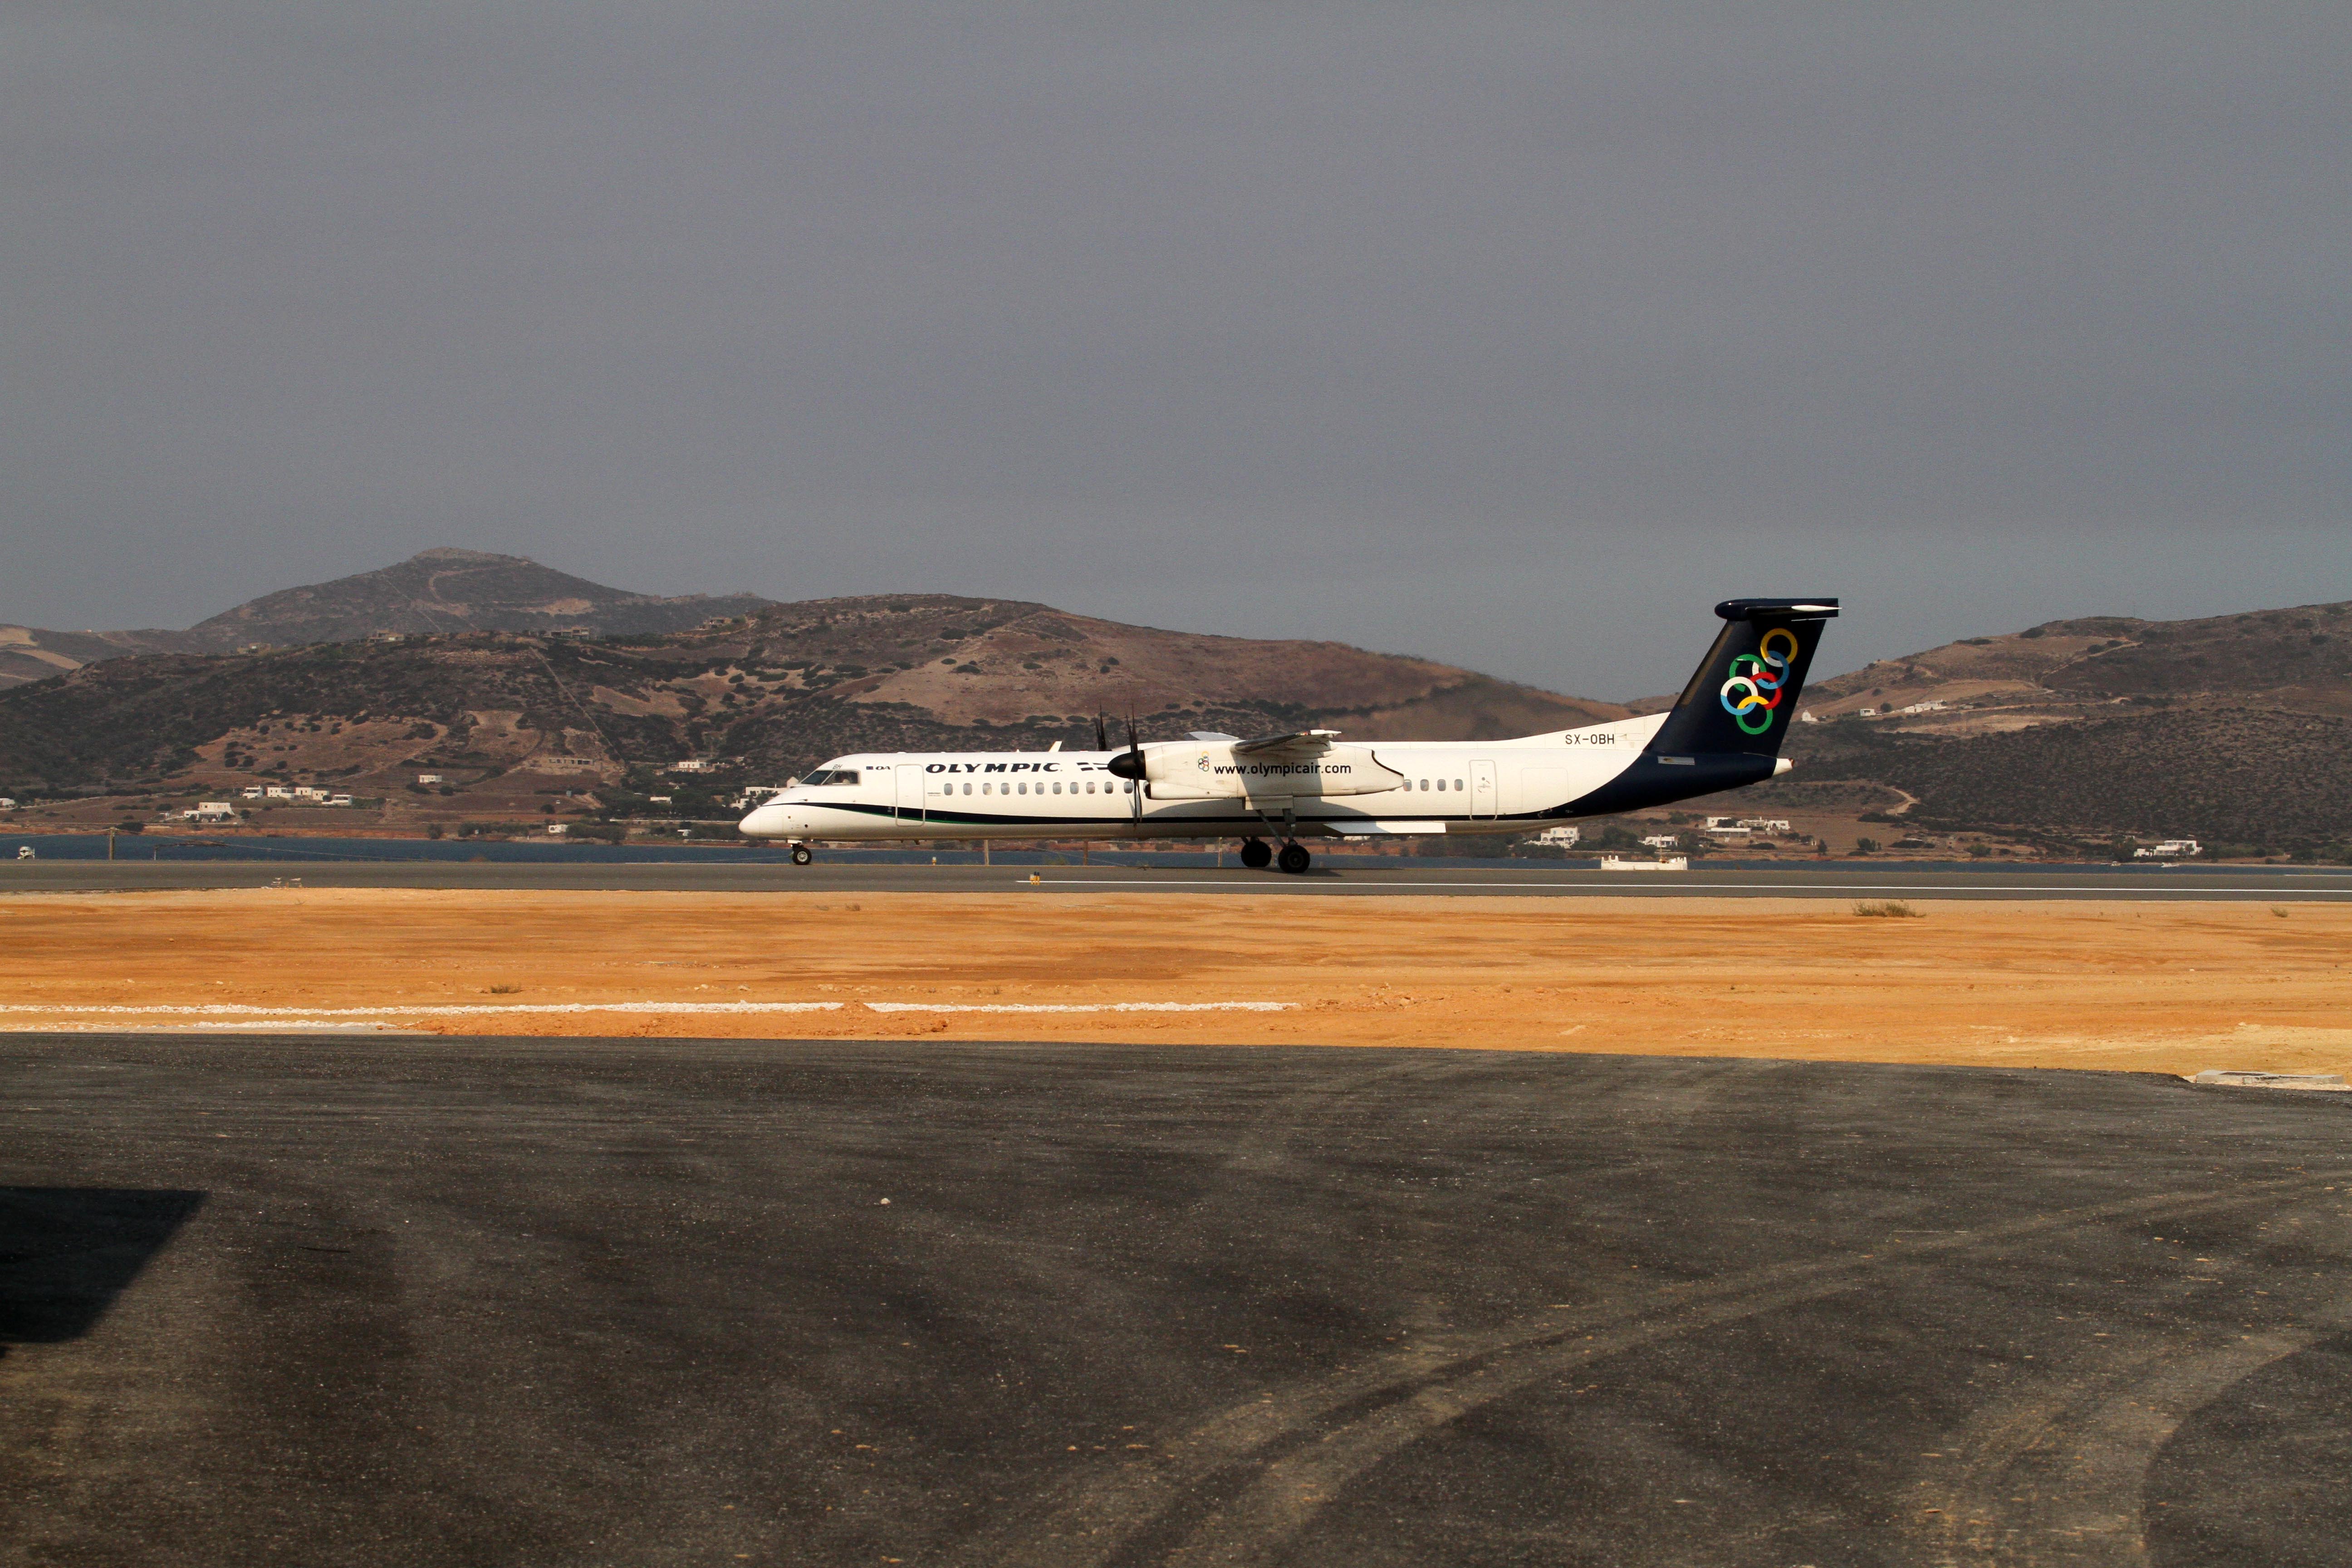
1256, 855
801, 854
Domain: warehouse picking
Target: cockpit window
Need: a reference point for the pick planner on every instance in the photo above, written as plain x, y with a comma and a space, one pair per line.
831, 776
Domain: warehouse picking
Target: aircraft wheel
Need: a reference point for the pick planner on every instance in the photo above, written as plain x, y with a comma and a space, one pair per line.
800, 856
1255, 854
1293, 858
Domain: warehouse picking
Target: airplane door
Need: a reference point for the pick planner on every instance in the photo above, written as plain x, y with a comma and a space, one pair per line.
1482, 788
910, 792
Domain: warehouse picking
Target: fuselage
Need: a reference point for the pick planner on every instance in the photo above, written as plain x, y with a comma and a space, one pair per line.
1376, 789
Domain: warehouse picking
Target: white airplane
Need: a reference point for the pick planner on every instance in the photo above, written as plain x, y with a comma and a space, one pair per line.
1724, 732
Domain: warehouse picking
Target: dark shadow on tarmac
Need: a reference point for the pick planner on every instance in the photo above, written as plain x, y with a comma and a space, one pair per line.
66, 1253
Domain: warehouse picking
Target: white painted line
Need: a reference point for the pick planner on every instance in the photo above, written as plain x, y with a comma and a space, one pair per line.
239, 1014
1079, 1007
246, 1010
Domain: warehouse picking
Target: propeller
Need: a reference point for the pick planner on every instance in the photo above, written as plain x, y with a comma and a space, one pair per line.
1128, 766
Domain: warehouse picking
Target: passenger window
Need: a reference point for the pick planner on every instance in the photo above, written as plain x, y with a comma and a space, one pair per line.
1057, 786
1024, 786
983, 789
1457, 783
967, 789
1425, 783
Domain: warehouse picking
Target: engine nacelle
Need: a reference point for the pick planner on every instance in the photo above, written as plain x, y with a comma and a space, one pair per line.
1210, 770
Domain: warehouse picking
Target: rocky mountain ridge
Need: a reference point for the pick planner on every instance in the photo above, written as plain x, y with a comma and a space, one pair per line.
437, 592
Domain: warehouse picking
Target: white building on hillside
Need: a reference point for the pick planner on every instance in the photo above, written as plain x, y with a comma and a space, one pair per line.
2170, 849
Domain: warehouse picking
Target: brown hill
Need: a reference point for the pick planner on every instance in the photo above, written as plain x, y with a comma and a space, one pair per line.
770, 694
436, 591
2294, 661
2230, 729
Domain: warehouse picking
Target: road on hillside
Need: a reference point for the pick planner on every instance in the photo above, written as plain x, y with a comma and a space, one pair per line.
277, 1301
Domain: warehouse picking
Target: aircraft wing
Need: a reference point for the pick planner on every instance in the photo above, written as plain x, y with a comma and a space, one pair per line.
1297, 739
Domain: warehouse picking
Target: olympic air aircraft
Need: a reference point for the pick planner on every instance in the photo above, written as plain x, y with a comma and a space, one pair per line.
1725, 731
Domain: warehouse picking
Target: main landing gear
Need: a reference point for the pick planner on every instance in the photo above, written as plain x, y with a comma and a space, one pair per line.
801, 854
1257, 854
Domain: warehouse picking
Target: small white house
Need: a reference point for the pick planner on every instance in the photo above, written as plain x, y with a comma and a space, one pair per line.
7, 803
309, 792
2170, 849
210, 811
428, 778
1764, 823
1565, 837
1664, 841
691, 765
559, 827
337, 800
277, 792
253, 792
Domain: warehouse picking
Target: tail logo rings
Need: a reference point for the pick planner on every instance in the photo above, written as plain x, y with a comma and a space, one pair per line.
1754, 689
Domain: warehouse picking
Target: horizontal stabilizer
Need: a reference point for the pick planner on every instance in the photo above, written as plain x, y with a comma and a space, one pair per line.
1778, 609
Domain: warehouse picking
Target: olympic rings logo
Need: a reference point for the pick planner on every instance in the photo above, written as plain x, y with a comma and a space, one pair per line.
1754, 688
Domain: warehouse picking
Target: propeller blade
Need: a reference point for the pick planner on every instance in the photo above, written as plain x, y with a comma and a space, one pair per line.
1102, 736
1128, 766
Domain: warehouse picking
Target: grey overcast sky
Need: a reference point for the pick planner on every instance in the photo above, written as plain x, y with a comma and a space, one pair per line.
1509, 334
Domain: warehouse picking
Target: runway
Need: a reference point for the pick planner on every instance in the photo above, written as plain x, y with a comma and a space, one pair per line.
1332, 876
400, 1301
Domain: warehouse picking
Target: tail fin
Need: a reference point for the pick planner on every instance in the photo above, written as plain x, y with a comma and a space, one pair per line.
1744, 697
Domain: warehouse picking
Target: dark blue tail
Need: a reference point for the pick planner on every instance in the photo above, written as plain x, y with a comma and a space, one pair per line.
1744, 697
1725, 729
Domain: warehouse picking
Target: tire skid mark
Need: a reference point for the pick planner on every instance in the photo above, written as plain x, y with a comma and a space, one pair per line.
2056, 1471
1237, 1487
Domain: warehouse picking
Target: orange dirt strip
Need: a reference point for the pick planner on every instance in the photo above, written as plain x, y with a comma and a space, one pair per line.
2171, 987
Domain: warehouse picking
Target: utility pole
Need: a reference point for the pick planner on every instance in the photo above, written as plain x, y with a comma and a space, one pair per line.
109, 844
